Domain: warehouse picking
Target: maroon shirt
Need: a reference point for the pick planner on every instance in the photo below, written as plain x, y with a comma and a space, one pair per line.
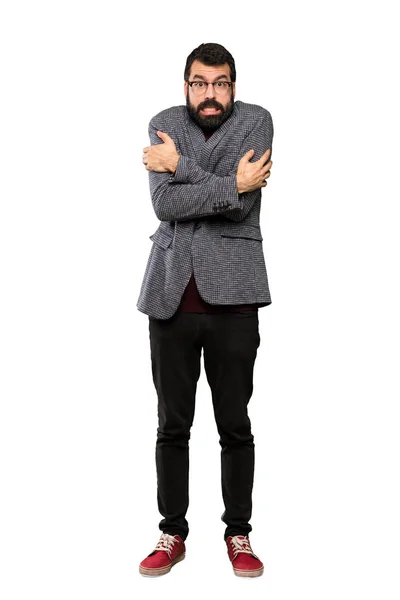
191, 300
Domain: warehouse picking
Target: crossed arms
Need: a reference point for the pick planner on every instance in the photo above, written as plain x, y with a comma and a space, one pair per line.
191, 192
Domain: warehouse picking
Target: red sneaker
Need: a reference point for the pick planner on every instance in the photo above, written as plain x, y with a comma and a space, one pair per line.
170, 549
245, 563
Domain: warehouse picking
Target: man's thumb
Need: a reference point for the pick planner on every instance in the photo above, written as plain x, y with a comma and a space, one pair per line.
162, 135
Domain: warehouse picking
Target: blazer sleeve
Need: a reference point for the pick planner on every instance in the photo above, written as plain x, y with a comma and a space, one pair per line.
260, 139
192, 192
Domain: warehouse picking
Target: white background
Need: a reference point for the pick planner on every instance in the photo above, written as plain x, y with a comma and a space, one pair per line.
80, 82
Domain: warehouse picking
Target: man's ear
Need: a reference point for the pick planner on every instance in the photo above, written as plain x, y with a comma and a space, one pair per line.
185, 89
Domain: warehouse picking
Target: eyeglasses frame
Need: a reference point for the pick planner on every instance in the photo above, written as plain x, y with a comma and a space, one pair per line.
230, 83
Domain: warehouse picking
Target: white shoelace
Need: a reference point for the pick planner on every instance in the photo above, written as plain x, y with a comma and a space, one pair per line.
241, 544
166, 542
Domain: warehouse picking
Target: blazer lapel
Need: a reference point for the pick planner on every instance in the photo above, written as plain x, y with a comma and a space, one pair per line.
203, 147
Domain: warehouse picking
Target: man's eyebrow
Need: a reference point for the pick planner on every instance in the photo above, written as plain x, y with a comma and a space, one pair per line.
219, 77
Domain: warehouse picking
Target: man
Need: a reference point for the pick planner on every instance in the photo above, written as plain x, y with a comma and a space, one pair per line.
204, 282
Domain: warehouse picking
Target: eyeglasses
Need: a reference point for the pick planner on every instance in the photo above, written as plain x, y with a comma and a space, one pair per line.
200, 87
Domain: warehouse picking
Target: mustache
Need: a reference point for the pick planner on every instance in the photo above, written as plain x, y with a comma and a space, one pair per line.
209, 104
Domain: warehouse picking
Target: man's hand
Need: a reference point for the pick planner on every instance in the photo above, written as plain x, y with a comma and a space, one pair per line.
162, 158
251, 176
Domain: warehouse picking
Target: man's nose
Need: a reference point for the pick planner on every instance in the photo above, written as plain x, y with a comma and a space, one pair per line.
210, 92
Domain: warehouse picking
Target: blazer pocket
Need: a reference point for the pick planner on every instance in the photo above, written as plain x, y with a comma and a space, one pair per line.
252, 232
162, 238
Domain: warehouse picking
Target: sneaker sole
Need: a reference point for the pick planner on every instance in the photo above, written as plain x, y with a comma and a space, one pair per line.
245, 573
161, 570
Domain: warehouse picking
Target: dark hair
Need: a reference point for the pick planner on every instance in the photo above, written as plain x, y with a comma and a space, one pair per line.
210, 55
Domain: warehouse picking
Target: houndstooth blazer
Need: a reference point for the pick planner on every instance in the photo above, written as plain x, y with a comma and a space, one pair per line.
206, 226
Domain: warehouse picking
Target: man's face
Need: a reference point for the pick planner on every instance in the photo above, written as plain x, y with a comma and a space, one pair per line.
211, 119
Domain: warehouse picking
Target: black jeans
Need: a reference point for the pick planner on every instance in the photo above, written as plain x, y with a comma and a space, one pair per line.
229, 342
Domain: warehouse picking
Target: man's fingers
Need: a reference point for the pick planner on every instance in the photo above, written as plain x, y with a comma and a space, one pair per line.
246, 157
267, 166
165, 137
265, 156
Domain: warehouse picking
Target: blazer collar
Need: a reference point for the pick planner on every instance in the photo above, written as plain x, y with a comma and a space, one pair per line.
200, 144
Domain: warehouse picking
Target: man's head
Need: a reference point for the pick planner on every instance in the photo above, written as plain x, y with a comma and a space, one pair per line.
210, 63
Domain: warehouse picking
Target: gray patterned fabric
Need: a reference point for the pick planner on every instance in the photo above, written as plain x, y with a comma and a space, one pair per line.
206, 226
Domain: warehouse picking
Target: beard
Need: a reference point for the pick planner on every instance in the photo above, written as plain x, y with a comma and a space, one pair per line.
210, 122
